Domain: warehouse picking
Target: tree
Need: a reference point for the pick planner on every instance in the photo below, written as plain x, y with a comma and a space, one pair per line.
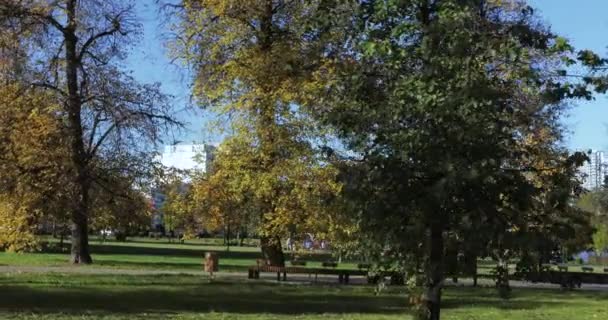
220, 203
33, 188
436, 101
124, 208
260, 63
595, 203
106, 114
178, 207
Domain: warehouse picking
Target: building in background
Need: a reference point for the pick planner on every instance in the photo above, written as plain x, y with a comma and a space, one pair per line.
594, 171
190, 157
195, 157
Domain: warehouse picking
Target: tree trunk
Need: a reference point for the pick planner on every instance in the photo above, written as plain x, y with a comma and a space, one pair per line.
470, 263
228, 238
434, 279
80, 236
80, 242
61, 240
502, 277
475, 272
272, 251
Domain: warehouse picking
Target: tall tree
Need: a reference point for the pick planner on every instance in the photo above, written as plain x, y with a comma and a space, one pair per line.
436, 101
261, 63
76, 55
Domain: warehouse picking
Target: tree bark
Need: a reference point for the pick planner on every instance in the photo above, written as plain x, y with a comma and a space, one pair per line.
272, 251
470, 263
434, 279
228, 238
475, 272
80, 237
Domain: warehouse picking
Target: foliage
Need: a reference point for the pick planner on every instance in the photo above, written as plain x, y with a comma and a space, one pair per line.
178, 207
16, 228
451, 109
600, 238
33, 188
74, 49
121, 208
262, 64
596, 204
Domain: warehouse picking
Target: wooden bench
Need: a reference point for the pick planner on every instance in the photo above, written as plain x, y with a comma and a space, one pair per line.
343, 274
587, 269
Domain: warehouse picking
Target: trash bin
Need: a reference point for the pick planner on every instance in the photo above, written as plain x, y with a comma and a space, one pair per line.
211, 262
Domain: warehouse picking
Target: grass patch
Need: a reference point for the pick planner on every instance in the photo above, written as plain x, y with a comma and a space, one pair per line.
59, 296
151, 254
111, 297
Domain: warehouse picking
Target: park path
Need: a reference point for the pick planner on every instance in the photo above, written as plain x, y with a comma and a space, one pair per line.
95, 270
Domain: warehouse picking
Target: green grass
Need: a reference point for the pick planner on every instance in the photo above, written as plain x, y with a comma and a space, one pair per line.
59, 296
150, 254
572, 267
111, 297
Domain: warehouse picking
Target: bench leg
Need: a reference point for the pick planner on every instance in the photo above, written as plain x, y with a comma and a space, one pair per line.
257, 274
340, 278
346, 278
284, 276
315, 277
278, 276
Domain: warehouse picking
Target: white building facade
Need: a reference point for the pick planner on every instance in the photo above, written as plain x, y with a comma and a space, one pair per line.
594, 171
193, 157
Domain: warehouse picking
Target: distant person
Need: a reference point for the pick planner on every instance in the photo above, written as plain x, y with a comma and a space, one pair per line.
323, 245
307, 244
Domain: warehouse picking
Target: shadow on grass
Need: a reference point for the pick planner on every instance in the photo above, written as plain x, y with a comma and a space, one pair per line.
134, 250
122, 249
167, 265
170, 294
521, 298
216, 297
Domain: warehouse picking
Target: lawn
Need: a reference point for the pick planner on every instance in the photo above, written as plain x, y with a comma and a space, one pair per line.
100, 295
150, 254
112, 297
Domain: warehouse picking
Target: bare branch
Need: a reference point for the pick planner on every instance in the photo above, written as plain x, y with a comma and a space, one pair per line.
49, 86
116, 28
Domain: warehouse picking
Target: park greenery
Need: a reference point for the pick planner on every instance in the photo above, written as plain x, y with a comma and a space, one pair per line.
145, 278
420, 136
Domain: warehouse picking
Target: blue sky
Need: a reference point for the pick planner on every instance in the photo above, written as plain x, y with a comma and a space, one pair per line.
583, 22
